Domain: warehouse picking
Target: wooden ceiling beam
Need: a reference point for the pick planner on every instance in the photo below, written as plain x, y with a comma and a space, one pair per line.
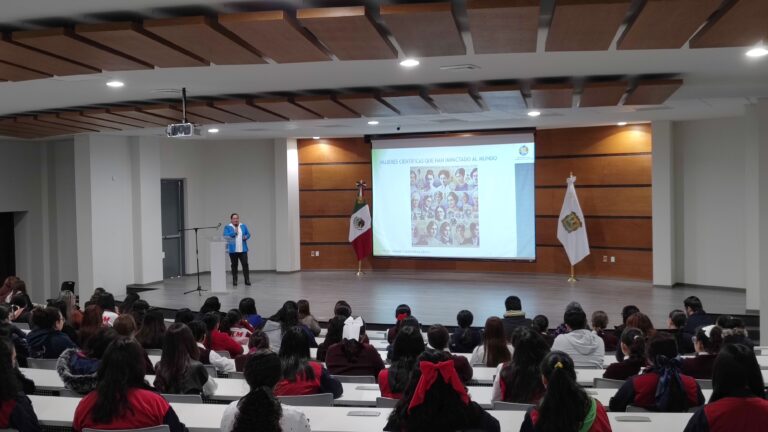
551, 96
10, 72
409, 102
504, 98
741, 23
206, 109
367, 105
585, 25
285, 108
56, 120
136, 114
424, 29
79, 116
244, 109
666, 24
348, 32
326, 106
504, 26
29, 58
653, 92
601, 94
454, 101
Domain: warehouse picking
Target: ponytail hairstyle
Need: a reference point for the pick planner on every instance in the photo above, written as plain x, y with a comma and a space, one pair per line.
710, 337
662, 354
522, 376
635, 341
736, 370
259, 410
464, 319
565, 403
408, 345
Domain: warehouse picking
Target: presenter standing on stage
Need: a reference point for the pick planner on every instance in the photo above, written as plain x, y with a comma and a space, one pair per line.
237, 235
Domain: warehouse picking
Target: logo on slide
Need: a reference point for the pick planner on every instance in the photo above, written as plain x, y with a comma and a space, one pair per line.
571, 222
359, 223
523, 150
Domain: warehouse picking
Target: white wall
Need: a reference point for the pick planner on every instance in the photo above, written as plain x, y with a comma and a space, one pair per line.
61, 207
710, 201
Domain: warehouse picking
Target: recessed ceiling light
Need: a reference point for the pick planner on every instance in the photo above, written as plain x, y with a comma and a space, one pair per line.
759, 51
409, 63
213, 130
534, 113
315, 137
621, 123
373, 122
115, 84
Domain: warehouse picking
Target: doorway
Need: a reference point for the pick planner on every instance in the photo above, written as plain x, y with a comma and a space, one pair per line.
172, 209
7, 246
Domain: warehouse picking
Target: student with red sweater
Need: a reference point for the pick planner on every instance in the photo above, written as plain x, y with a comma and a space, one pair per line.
662, 387
633, 347
16, 410
300, 376
122, 399
217, 340
738, 398
408, 345
565, 407
707, 343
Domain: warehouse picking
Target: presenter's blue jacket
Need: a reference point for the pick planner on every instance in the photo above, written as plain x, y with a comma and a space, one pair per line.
231, 235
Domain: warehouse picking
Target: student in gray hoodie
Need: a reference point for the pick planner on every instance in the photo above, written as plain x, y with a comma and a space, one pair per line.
585, 348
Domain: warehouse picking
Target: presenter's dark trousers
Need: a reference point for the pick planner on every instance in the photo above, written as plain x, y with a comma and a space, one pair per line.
243, 258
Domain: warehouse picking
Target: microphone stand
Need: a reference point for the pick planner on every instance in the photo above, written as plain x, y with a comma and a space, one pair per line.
199, 288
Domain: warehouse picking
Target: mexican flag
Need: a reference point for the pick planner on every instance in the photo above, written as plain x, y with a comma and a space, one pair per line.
360, 234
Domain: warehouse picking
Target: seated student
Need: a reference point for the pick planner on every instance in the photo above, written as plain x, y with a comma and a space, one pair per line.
351, 356
408, 345
697, 317
707, 343
342, 308
46, 340
661, 387
464, 339
91, 323
125, 326
256, 343
495, 349
21, 309
279, 323
300, 376
599, 326
437, 338
126, 307
140, 309
410, 321
179, 371
306, 317
584, 347
106, 302
216, 340
78, 368
206, 356
514, 316
436, 400
565, 407
675, 324
152, 331
184, 316
66, 328
402, 312
519, 380
247, 307
234, 325
563, 327
540, 323
633, 347
626, 312
6, 290
211, 304
16, 411
16, 336
259, 410
738, 397
333, 336
122, 399
735, 332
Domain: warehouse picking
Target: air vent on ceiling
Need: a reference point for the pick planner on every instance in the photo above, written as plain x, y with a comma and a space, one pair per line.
460, 67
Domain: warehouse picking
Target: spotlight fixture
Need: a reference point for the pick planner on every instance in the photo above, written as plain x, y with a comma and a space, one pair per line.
758, 51
621, 124
315, 137
115, 84
213, 130
534, 113
373, 122
409, 63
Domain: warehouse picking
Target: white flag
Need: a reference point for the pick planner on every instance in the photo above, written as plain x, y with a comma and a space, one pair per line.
571, 230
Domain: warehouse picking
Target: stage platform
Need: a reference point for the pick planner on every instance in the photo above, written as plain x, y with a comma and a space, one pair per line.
436, 297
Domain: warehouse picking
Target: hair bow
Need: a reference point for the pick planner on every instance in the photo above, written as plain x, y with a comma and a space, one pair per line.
402, 316
429, 372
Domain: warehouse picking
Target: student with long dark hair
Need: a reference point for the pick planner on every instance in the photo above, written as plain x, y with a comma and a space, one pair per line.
306, 317
179, 371
540, 324
408, 345
126, 307
78, 368
109, 311
46, 340
217, 340
286, 318
152, 331
738, 397
565, 407
236, 327
464, 339
661, 387
256, 343
125, 326
495, 349
300, 376
122, 399
436, 400
707, 343
333, 336
91, 323
211, 304
140, 309
353, 355
519, 381
206, 356
402, 312
260, 410
16, 410
632, 345
247, 307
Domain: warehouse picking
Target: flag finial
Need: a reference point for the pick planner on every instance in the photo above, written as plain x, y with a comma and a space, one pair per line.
360, 185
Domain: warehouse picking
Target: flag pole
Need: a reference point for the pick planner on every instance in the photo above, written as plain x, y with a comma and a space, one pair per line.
572, 278
360, 268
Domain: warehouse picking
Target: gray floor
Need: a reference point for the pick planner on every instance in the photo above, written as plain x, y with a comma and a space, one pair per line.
436, 297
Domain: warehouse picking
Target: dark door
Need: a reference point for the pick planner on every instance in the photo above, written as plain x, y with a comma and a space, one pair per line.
172, 207
7, 246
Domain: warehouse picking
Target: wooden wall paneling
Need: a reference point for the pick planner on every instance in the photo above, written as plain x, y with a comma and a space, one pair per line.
600, 170
454, 101
593, 140
424, 29
332, 257
601, 94
326, 106
134, 114
35, 60
409, 103
205, 38
348, 32
603, 232
132, 39
664, 24
653, 92
327, 203
244, 109
285, 108
367, 105
107, 116
506, 98
66, 43
10, 72
205, 109
740, 24
551, 96
503, 26
275, 34
325, 230
33, 122
333, 150
55, 120
585, 25
607, 201
324, 177
83, 118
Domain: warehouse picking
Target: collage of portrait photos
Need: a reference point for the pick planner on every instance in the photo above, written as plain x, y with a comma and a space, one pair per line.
445, 206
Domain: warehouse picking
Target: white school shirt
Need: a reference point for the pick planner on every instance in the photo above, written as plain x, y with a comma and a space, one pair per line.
238, 239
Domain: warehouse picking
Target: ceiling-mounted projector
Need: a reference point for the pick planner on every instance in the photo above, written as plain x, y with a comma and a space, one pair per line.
181, 130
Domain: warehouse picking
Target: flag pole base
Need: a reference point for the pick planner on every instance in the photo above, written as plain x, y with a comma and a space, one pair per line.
572, 278
359, 268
